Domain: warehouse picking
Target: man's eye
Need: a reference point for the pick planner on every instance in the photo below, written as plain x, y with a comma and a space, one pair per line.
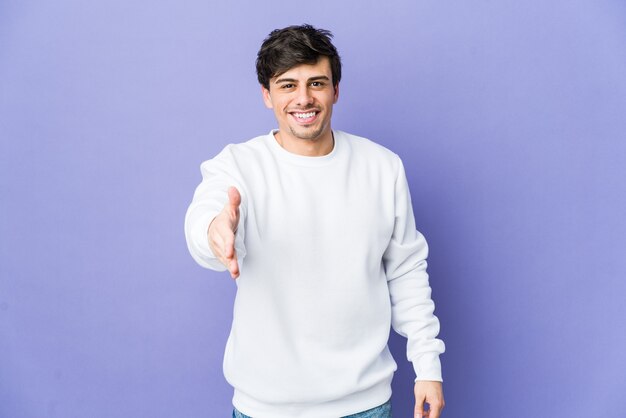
317, 84
287, 86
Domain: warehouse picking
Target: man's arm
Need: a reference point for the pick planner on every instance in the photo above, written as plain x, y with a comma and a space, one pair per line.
411, 304
220, 198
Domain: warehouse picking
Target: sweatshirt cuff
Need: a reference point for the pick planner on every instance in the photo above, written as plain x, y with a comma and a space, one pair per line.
428, 367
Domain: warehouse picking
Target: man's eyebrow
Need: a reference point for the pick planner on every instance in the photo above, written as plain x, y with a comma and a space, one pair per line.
319, 77
293, 80
285, 80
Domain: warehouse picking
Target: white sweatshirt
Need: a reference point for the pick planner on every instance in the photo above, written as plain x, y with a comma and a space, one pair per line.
329, 258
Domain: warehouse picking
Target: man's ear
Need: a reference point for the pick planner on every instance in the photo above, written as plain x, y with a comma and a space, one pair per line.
267, 99
336, 93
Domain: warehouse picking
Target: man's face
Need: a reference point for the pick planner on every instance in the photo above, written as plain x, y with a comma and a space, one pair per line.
302, 100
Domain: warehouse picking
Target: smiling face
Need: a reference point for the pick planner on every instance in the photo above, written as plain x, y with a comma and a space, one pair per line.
302, 99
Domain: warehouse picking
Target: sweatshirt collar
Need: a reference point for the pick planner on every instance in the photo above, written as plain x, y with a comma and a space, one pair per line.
304, 160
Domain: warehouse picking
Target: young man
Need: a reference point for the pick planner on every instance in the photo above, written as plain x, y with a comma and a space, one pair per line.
317, 227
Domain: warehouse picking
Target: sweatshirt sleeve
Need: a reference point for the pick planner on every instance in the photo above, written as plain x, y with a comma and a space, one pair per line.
411, 304
218, 174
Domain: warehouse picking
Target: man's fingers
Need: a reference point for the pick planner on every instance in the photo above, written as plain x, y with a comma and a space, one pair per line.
228, 255
435, 409
216, 242
428, 410
218, 235
233, 268
228, 243
419, 407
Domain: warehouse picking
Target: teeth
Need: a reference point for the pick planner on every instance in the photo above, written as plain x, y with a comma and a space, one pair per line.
304, 115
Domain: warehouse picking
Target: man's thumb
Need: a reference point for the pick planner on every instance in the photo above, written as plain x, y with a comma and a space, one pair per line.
234, 198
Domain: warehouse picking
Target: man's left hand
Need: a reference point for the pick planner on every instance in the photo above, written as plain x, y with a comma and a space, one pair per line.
431, 392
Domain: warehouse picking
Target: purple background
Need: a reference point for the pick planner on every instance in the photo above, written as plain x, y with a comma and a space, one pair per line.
509, 115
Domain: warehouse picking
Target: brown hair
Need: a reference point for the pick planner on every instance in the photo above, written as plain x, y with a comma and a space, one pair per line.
294, 45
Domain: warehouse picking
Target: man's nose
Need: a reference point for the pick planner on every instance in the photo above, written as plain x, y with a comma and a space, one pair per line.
304, 96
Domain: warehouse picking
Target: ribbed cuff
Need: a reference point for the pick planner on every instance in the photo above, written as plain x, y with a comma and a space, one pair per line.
428, 367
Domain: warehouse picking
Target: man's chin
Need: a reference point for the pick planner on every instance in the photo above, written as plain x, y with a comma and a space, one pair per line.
306, 134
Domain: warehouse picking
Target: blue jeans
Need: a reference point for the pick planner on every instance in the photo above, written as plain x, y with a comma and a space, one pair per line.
381, 411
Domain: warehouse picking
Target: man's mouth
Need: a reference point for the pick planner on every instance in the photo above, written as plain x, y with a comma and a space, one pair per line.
305, 117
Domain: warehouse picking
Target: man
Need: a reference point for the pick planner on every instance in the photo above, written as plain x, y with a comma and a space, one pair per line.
317, 227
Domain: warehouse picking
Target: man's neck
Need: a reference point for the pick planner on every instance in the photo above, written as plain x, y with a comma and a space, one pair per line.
306, 147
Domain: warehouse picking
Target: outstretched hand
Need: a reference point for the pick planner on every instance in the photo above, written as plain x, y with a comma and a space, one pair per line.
432, 393
222, 231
